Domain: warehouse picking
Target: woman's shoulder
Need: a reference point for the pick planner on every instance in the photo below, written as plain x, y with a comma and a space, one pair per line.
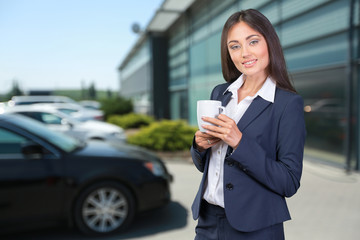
283, 94
285, 97
222, 86
219, 89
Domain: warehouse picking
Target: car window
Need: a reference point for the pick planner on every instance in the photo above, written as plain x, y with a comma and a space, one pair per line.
33, 115
10, 143
43, 117
49, 118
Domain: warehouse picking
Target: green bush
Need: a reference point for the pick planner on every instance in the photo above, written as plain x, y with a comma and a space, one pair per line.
165, 135
131, 120
117, 105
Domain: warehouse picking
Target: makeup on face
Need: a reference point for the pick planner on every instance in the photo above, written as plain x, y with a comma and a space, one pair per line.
248, 50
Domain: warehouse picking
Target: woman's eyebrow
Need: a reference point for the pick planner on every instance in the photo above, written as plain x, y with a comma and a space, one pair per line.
253, 35
235, 41
247, 38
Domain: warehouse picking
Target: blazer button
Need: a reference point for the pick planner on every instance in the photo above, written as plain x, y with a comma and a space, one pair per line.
230, 163
229, 186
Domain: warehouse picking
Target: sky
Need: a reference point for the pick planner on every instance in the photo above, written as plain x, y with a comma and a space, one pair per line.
67, 44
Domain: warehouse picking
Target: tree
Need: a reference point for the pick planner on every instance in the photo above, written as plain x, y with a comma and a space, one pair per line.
15, 90
92, 91
109, 93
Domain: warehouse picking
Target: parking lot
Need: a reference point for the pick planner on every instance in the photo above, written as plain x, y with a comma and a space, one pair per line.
326, 207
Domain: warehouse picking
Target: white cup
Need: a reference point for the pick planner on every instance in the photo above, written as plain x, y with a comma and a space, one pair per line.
208, 108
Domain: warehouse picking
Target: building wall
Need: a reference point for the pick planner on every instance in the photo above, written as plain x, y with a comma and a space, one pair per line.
314, 35
136, 79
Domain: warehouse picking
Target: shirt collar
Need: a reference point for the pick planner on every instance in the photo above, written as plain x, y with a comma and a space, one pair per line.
267, 91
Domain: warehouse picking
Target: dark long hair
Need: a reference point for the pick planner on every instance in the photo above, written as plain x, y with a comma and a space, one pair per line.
258, 22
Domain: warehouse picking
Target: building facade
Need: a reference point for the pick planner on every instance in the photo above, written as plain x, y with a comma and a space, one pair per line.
320, 39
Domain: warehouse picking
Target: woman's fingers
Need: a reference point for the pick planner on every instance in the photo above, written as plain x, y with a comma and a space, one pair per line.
220, 124
204, 140
225, 129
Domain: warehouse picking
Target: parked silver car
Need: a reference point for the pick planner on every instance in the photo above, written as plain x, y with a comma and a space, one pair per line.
68, 105
62, 122
77, 111
90, 104
27, 100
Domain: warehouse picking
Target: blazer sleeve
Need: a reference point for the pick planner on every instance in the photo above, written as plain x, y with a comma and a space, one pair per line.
280, 171
198, 157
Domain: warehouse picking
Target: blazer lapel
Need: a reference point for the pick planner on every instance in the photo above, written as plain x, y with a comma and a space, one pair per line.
225, 98
256, 107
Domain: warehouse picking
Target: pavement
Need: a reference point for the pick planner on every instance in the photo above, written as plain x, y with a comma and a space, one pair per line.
327, 205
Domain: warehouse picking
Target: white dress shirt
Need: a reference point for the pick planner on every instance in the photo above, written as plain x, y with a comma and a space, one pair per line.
214, 192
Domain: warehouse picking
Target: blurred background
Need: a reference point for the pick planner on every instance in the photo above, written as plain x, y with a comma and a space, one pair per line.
164, 56
146, 61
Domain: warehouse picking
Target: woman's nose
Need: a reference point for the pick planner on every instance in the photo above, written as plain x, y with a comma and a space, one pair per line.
245, 53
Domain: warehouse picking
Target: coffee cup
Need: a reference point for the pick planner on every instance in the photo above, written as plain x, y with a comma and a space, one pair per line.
208, 108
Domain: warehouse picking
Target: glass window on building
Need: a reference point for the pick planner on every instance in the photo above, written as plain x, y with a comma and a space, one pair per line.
205, 71
136, 79
179, 105
178, 71
324, 110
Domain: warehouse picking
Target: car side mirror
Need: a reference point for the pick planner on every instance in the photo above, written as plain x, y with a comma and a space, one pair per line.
66, 122
32, 150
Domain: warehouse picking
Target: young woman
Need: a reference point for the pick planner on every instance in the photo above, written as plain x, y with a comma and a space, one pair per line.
251, 158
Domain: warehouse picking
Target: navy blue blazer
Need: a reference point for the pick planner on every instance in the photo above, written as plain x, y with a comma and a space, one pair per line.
266, 167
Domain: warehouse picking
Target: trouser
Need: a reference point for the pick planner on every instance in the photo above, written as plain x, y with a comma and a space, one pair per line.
213, 225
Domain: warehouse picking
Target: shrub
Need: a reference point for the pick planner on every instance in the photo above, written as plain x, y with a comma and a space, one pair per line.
117, 105
131, 120
165, 135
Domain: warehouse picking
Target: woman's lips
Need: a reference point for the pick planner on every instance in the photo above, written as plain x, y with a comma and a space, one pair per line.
250, 63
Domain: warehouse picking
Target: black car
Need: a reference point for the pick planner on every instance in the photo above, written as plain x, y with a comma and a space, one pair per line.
48, 177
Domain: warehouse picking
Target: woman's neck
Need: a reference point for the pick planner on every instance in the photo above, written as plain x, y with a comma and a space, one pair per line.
252, 84
250, 87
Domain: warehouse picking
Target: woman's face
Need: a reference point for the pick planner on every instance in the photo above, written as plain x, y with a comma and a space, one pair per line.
248, 50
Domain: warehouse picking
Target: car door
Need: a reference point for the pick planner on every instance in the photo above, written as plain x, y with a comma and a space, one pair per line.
31, 186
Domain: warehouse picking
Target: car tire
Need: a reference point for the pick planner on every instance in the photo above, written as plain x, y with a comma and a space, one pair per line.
104, 208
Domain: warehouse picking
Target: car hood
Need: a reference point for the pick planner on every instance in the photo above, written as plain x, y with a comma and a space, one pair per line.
104, 149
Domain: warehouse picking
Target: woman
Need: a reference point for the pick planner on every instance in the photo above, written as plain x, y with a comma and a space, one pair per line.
251, 158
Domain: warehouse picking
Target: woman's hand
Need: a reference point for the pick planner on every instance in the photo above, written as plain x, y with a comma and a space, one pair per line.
204, 141
225, 129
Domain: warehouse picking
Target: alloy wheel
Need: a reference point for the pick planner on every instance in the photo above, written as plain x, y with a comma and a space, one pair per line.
105, 209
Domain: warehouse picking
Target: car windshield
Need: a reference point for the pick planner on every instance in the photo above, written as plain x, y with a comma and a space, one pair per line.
62, 141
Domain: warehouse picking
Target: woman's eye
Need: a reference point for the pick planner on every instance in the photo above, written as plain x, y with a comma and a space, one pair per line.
253, 42
234, 47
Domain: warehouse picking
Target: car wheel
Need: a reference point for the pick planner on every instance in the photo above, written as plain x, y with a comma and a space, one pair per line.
104, 208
